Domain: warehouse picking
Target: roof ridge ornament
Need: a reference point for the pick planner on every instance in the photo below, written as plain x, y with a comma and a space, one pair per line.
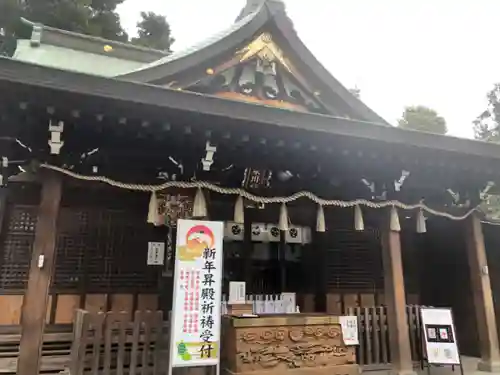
253, 6
36, 35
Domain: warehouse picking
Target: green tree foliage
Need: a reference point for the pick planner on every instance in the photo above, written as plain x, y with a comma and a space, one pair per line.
153, 32
487, 128
424, 119
107, 25
487, 125
92, 17
9, 14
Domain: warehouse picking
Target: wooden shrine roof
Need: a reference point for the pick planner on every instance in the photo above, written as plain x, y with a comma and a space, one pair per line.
261, 43
78, 91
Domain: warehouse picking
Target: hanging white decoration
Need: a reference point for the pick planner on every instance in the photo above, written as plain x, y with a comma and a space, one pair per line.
421, 226
359, 223
320, 220
153, 214
200, 205
239, 211
283, 223
394, 220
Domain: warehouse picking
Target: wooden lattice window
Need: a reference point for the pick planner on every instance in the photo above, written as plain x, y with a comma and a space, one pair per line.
354, 260
16, 246
103, 250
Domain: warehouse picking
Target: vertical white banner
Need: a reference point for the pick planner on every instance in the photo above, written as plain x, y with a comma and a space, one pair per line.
196, 311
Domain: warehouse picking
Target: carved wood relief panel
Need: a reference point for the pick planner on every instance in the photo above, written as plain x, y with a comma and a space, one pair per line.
291, 347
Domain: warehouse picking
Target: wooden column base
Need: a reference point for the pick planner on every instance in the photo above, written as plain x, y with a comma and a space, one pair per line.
488, 366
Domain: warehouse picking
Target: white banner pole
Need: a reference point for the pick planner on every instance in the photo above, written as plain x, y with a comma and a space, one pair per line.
195, 337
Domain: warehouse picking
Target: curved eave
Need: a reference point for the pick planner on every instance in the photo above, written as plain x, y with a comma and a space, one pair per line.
225, 41
315, 68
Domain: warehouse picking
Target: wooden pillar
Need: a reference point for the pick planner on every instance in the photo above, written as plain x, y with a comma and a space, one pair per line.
320, 271
3, 209
282, 262
248, 251
37, 293
3, 206
395, 300
165, 280
483, 299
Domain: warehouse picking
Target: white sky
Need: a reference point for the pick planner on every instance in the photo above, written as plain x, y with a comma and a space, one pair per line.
438, 53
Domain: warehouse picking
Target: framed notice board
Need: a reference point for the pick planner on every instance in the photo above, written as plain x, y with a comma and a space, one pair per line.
439, 336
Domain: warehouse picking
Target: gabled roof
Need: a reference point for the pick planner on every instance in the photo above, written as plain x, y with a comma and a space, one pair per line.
258, 18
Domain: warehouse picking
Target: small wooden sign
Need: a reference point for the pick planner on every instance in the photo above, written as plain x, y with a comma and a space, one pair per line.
237, 292
156, 253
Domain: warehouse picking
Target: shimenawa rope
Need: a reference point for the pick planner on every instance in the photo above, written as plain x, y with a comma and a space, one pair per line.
255, 198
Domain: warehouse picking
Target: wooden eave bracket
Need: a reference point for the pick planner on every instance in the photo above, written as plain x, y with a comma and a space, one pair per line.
55, 142
209, 157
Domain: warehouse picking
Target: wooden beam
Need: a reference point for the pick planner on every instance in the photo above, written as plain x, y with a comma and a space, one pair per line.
483, 299
399, 340
41, 268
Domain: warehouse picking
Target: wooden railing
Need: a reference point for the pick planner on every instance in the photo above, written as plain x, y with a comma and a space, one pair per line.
110, 343
373, 346
55, 351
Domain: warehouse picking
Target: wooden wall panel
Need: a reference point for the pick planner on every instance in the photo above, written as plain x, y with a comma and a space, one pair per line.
351, 300
147, 302
367, 299
66, 304
96, 302
65, 309
307, 303
122, 302
412, 299
381, 299
334, 303
10, 311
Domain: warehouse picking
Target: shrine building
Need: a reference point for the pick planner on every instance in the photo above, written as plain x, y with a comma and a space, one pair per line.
105, 145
